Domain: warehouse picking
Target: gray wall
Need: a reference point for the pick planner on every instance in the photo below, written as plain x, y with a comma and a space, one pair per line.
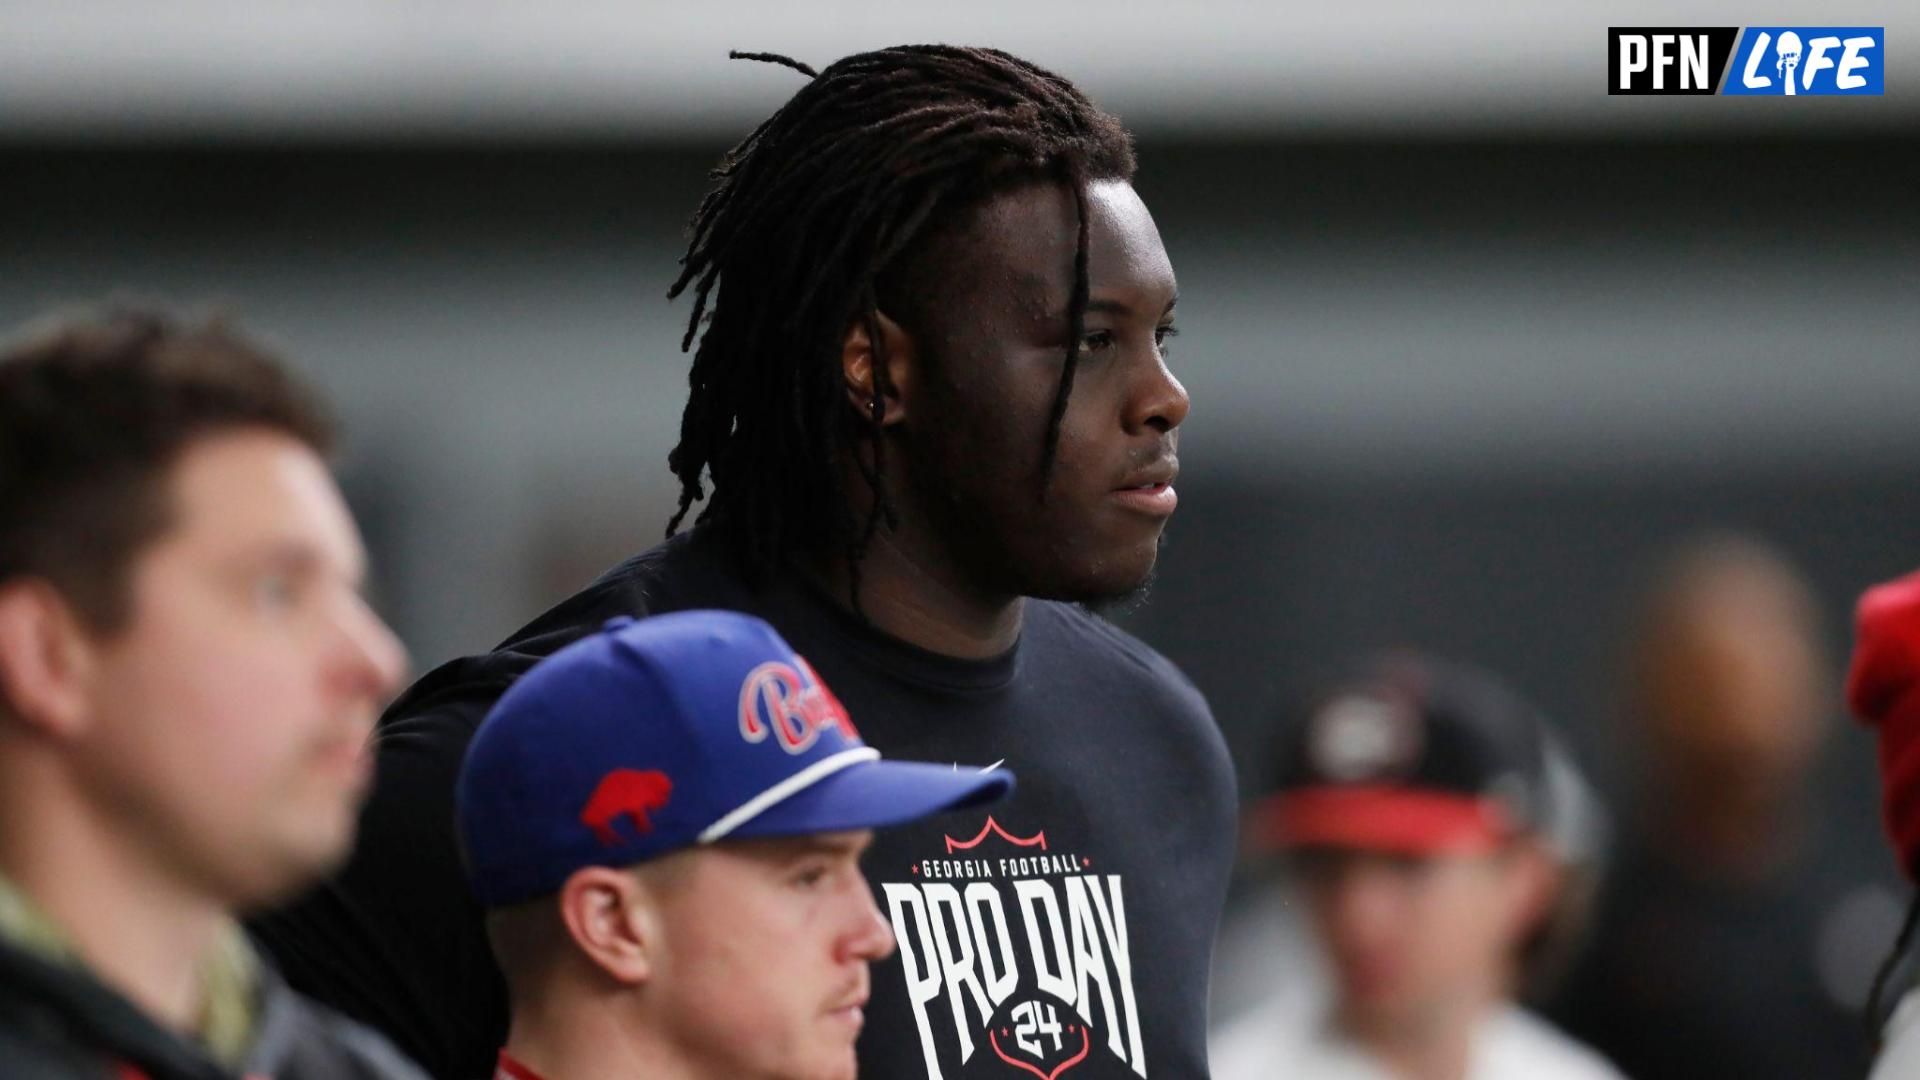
1446, 393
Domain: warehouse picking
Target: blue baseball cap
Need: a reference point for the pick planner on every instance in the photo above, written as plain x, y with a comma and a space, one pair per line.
667, 732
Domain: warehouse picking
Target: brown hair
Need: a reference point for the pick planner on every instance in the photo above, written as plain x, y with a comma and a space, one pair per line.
94, 411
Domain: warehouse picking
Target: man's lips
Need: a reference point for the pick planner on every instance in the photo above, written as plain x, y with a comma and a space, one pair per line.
1159, 499
347, 754
852, 1010
1150, 490
1161, 473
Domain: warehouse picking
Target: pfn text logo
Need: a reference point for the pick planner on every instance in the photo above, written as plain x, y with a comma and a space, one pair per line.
1667, 59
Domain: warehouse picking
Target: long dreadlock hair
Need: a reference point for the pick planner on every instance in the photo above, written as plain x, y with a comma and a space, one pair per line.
809, 216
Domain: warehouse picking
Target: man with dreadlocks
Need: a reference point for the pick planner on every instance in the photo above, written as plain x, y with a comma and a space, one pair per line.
933, 406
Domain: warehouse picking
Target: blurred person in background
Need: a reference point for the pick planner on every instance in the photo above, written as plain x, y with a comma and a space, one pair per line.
666, 895
1721, 942
1266, 960
1416, 807
188, 676
932, 395
1883, 689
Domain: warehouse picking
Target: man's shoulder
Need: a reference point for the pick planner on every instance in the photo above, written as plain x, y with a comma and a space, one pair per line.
302, 1039
37, 1039
451, 699
685, 571
1280, 1039
1071, 633
1250, 1045
59, 1021
31, 1054
1086, 662
1521, 1044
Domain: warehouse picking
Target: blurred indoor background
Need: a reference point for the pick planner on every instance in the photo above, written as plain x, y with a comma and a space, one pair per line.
1471, 344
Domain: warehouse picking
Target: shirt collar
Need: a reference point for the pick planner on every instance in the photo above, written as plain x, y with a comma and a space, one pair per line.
511, 1068
229, 973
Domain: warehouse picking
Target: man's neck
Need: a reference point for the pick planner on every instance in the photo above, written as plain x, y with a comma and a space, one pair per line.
1438, 1048
561, 1036
139, 929
922, 600
1729, 837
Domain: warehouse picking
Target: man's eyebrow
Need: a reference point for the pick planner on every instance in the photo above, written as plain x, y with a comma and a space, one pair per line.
301, 557
805, 846
294, 556
1111, 306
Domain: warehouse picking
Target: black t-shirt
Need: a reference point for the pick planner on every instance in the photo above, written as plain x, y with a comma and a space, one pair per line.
1064, 932
1689, 974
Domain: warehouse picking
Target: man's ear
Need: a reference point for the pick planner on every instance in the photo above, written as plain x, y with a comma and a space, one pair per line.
46, 658
1534, 886
885, 401
614, 921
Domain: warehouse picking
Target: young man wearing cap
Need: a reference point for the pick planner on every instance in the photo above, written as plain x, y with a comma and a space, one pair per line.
1412, 805
1883, 689
188, 676
664, 821
933, 398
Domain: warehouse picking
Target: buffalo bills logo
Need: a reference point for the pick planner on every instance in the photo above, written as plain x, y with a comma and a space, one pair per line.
629, 792
792, 703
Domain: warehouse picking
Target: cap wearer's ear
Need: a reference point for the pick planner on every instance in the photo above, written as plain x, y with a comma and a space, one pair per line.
613, 920
45, 659
1533, 885
859, 367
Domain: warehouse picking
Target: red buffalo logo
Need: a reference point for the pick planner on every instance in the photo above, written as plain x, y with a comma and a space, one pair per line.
625, 791
792, 703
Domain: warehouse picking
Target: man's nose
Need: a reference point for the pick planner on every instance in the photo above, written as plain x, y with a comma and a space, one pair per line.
872, 937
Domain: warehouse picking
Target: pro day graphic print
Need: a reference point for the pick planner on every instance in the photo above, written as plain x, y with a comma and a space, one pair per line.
1015, 952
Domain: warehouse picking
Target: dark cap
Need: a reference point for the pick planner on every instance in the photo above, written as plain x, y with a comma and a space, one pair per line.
1415, 756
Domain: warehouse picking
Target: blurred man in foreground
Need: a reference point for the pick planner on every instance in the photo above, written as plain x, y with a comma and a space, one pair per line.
1883, 688
1414, 806
188, 676
665, 822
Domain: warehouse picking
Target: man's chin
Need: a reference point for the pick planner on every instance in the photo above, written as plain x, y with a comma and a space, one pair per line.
296, 865
834, 1064
1113, 587
1115, 603
1374, 1014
